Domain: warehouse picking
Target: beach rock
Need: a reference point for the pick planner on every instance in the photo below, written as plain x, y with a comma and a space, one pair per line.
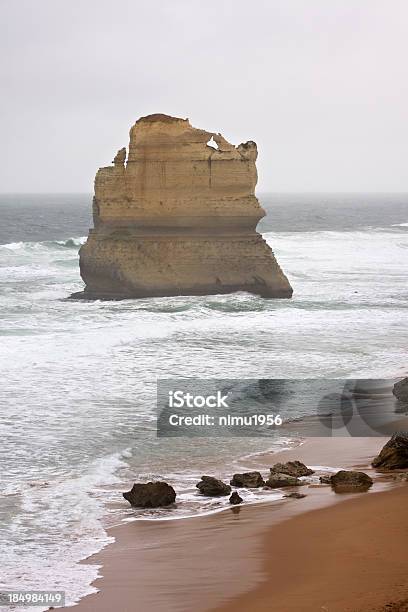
325, 479
402, 476
212, 487
235, 498
174, 215
276, 481
293, 468
400, 390
295, 495
394, 455
350, 481
250, 480
150, 495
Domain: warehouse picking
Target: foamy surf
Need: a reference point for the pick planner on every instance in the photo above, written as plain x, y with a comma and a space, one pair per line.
63, 517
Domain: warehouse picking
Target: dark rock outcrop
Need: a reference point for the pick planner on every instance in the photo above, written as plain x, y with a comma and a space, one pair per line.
348, 481
249, 480
212, 487
235, 498
292, 468
400, 390
150, 495
276, 481
394, 455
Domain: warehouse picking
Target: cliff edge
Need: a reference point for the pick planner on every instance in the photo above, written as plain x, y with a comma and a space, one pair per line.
176, 215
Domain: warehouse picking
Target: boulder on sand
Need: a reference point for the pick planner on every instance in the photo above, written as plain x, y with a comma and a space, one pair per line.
394, 455
292, 468
400, 476
250, 480
400, 390
295, 495
349, 481
235, 499
326, 479
212, 487
276, 481
150, 495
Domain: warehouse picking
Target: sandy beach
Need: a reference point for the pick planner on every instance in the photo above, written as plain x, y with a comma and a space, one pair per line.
349, 558
326, 552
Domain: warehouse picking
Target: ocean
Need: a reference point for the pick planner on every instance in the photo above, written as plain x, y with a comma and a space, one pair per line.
78, 379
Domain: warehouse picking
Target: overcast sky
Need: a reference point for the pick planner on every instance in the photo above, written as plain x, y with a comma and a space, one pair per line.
320, 85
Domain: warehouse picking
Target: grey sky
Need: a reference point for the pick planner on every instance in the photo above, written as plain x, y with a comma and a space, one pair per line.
320, 85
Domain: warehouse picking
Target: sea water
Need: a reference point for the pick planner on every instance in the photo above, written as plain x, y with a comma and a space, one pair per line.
78, 379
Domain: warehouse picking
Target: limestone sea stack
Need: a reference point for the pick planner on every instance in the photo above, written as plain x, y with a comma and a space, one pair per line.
176, 214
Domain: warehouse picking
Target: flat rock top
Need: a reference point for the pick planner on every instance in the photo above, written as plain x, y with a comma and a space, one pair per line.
160, 117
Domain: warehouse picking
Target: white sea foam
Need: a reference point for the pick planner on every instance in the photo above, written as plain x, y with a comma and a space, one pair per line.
59, 524
29, 246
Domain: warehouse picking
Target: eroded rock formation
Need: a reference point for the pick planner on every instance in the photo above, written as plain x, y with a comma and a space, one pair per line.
178, 217
394, 455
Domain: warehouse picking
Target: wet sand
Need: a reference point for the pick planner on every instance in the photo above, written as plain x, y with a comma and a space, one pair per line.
348, 558
307, 554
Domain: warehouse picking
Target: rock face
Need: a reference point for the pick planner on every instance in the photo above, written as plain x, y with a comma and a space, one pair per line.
151, 495
293, 468
177, 216
277, 480
250, 480
400, 390
394, 455
212, 487
349, 481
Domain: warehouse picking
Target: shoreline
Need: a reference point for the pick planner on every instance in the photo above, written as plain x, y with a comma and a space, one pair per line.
169, 564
